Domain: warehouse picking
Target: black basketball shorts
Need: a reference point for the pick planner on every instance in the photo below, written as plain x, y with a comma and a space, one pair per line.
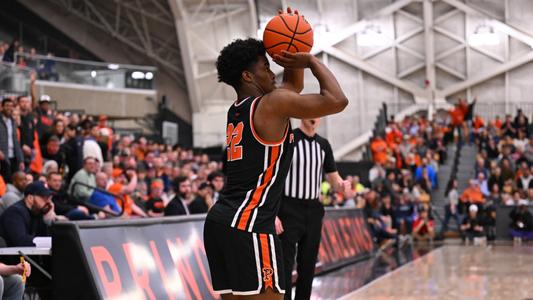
241, 262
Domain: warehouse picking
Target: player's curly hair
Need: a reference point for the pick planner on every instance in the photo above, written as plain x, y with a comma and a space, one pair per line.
236, 57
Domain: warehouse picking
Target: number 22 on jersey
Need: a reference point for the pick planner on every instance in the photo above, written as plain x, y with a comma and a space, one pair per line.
233, 139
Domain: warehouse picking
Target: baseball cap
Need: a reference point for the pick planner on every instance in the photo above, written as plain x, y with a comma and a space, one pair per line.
37, 188
45, 98
473, 208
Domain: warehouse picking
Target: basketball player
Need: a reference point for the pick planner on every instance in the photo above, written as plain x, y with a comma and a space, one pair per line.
300, 214
243, 251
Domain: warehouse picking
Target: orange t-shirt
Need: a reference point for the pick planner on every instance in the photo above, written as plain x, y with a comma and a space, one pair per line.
457, 116
115, 188
2, 186
379, 151
473, 195
478, 123
498, 124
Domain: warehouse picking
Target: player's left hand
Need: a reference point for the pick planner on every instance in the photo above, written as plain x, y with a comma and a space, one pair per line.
298, 60
279, 226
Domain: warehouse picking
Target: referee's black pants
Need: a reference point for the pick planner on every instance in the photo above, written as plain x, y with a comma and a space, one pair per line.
302, 224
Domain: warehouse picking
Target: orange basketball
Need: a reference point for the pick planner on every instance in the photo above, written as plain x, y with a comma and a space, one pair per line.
289, 32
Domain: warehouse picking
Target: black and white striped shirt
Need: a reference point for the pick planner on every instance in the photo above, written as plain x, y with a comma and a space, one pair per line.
312, 156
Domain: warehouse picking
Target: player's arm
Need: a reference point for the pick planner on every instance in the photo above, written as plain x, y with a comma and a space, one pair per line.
290, 104
293, 78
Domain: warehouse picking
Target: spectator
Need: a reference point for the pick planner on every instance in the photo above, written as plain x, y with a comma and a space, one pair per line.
522, 223
155, 205
101, 199
11, 157
15, 191
86, 177
432, 175
451, 209
73, 150
216, 180
180, 204
26, 128
11, 283
483, 184
90, 143
26, 219
125, 184
9, 54
63, 205
380, 150
472, 195
45, 115
52, 151
203, 202
423, 227
472, 226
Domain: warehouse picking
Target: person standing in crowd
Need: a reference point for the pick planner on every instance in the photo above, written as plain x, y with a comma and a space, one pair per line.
45, 115
15, 191
180, 204
299, 221
451, 209
26, 128
11, 157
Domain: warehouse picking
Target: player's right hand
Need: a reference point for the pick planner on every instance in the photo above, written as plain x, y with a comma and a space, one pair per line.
279, 226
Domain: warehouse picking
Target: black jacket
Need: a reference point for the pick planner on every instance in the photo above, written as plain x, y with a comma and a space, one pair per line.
18, 226
175, 208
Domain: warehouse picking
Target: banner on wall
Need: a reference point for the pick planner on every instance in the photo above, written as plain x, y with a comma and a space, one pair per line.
165, 258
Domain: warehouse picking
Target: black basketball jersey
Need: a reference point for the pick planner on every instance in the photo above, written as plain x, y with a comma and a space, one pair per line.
255, 173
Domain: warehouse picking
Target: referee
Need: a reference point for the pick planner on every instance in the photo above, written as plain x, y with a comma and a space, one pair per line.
299, 221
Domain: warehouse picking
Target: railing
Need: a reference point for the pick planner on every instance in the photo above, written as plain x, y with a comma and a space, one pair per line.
98, 74
489, 111
97, 208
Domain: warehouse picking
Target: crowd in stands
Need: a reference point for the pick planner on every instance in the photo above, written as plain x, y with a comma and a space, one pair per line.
15, 53
397, 198
70, 154
503, 174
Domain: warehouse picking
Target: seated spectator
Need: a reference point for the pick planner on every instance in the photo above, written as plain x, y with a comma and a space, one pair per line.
84, 176
203, 202
472, 195
180, 204
14, 192
522, 223
26, 219
155, 206
423, 227
431, 173
125, 184
404, 214
11, 283
380, 228
216, 180
483, 184
101, 199
52, 151
63, 205
472, 226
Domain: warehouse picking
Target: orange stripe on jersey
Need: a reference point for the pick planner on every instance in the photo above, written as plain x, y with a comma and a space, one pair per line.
267, 266
258, 193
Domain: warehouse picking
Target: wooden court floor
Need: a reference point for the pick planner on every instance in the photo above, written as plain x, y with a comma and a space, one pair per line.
458, 272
